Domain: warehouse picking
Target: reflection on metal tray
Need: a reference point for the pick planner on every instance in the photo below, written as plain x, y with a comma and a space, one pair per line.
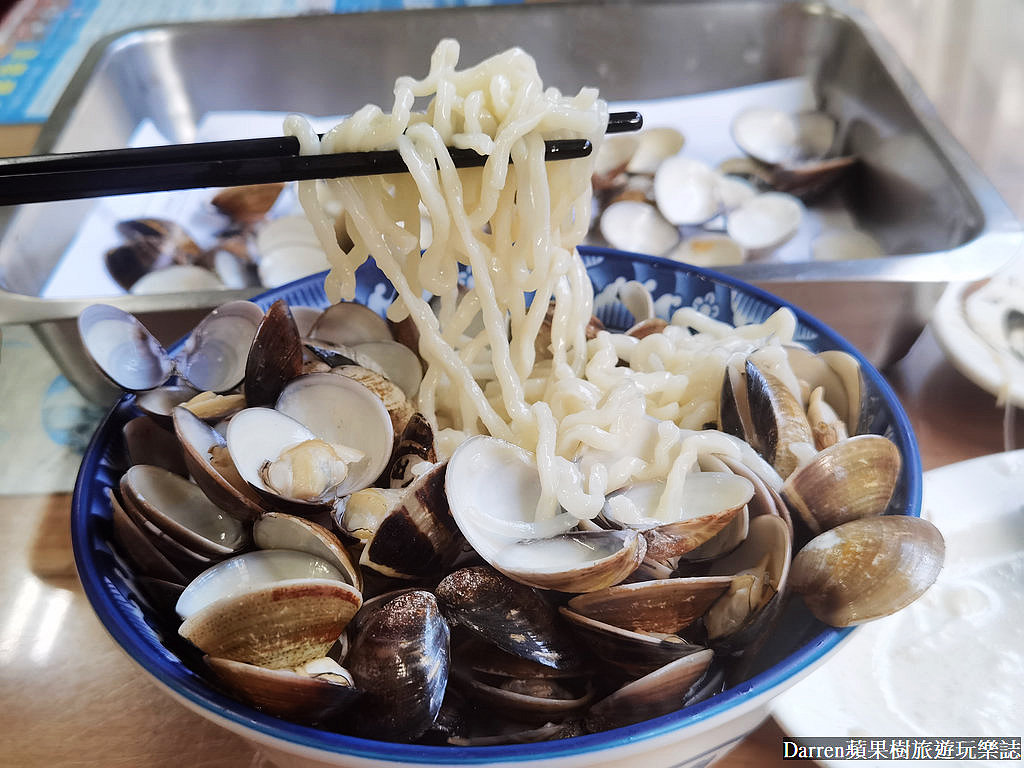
915, 191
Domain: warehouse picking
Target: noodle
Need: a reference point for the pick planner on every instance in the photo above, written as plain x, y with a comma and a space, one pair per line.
528, 374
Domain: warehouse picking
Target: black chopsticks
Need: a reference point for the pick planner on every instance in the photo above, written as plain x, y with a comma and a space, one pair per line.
42, 178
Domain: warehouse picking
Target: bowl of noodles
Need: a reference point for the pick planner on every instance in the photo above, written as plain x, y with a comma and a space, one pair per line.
574, 377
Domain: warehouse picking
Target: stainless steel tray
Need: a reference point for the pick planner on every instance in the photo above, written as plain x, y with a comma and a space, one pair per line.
938, 215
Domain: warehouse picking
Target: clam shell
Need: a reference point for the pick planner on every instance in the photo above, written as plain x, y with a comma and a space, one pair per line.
158, 403
185, 560
217, 475
417, 537
275, 356
123, 349
137, 547
214, 355
653, 147
686, 191
508, 614
663, 605
636, 653
349, 323
181, 510
313, 699
636, 226
853, 478
400, 659
415, 446
399, 409
281, 625
778, 419
534, 701
341, 410
276, 530
578, 561
397, 362
765, 221
867, 568
148, 442
658, 693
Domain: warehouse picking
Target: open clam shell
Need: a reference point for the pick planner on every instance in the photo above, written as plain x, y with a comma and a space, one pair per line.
272, 608
686, 191
663, 605
139, 549
214, 355
342, 411
276, 530
349, 323
867, 568
181, 510
635, 653
148, 442
127, 353
765, 221
274, 356
637, 226
210, 465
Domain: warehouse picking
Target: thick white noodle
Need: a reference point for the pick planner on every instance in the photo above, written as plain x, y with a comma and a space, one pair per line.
516, 225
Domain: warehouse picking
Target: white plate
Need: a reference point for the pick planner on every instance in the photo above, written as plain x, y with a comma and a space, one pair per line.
952, 663
986, 362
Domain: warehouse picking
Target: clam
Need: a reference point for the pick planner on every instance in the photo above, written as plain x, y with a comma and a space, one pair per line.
776, 137
686, 191
510, 615
177, 278
274, 357
214, 354
149, 443
493, 490
416, 536
139, 549
315, 693
765, 221
180, 509
124, 350
348, 323
210, 465
288, 249
341, 411
399, 409
530, 700
396, 361
653, 147
270, 608
611, 160
158, 403
707, 503
632, 225
400, 659
742, 618
634, 652
853, 478
867, 568
657, 693
664, 605
247, 204
152, 244
276, 530
281, 459
709, 250
414, 448
778, 420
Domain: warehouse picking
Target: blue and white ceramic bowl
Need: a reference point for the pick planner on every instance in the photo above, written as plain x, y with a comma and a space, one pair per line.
692, 737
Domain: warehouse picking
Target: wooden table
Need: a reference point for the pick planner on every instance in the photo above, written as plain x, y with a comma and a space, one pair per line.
70, 697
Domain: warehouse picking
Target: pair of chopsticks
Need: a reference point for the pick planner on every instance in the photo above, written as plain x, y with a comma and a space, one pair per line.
42, 178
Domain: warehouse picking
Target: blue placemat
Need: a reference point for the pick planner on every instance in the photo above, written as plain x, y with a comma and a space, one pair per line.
42, 42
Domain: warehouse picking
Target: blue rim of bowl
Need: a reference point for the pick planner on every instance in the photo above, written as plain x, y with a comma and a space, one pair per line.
179, 678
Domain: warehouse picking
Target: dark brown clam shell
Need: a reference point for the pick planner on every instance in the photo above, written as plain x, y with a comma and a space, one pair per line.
275, 357
149, 443
508, 614
400, 658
